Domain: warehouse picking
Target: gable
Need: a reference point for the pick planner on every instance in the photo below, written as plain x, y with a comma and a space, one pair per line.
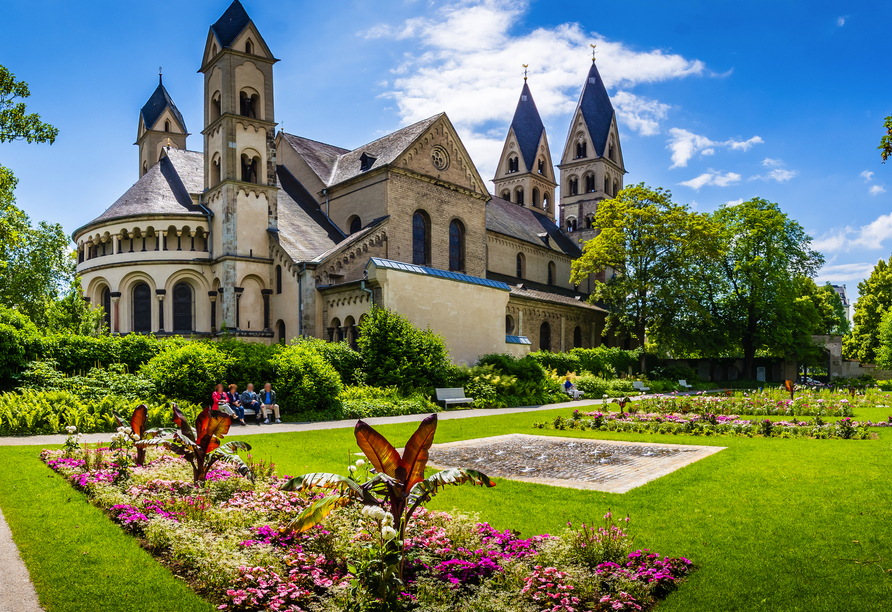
578, 130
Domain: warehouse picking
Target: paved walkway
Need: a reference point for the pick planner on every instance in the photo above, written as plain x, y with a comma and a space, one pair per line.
17, 593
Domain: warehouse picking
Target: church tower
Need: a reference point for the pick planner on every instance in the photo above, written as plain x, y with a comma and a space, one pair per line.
160, 125
240, 167
525, 174
592, 163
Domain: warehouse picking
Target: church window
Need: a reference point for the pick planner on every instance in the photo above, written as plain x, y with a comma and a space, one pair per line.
606, 185
456, 246
250, 169
535, 201
142, 308
552, 272
574, 186
182, 308
545, 336
610, 152
420, 238
278, 279
249, 47
106, 307
581, 149
248, 104
571, 224
518, 196
577, 337
520, 265
590, 183
545, 205
509, 325
215, 106
513, 165
280, 326
215, 170
506, 195
167, 126
355, 225
145, 167
589, 222
615, 188
541, 166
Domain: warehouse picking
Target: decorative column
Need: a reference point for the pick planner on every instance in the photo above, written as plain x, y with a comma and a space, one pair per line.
192, 235
89, 249
164, 238
117, 244
238, 301
160, 293
331, 331
563, 332
157, 240
266, 309
179, 240
115, 298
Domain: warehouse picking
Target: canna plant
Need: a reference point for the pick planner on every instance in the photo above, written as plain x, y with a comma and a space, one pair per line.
790, 387
202, 445
138, 430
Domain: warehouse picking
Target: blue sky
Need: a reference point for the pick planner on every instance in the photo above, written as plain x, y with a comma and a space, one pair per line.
717, 101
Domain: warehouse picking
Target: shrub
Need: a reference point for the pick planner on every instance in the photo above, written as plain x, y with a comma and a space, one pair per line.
305, 381
252, 362
188, 372
499, 380
362, 402
19, 343
74, 353
675, 373
601, 361
344, 359
96, 384
397, 354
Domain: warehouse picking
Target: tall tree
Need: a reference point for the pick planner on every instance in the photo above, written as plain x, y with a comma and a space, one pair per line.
874, 300
753, 288
648, 240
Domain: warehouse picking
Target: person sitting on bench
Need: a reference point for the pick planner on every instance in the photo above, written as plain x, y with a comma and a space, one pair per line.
571, 389
268, 403
235, 403
249, 401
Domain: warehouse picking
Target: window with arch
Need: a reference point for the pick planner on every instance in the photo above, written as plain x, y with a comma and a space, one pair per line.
215, 50
611, 152
355, 225
571, 224
509, 325
280, 331
535, 201
250, 169
421, 238
545, 336
145, 167
278, 279
606, 185
216, 109
106, 307
581, 149
248, 104
142, 308
541, 166
182, 308
590, 183
521, 265
513, 165
615, 188
215, 170
545, 204
518, 196
456, 246
552, 272
166, 126
249, 47
574, 186
506, 195
577, 337
589, 221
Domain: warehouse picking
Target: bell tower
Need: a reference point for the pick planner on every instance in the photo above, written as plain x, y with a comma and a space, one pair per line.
591, 166
525, 174
160, 125
239, 161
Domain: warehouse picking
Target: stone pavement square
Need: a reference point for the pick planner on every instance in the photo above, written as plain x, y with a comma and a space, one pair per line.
600, 465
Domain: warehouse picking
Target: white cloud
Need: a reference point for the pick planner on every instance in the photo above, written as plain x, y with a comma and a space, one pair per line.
734, 202
844, 272
841, 21
870, 236
771, 163
712, 178
867, 175
469, 61
780, 175
877, 189
685, 144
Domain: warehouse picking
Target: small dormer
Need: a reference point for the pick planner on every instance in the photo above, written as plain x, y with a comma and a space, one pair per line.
366, 162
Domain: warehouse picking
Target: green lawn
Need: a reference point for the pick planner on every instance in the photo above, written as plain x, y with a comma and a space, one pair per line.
773, 524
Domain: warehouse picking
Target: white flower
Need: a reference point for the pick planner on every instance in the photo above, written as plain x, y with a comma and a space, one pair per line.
122, 429
377, 513
366, 510
360, 463
71, 429
388, 533
387, 521
351, 469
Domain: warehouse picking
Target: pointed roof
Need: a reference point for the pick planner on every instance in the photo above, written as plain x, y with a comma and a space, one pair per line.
158, 101
597, 111
527, 126
231, 24
528, 225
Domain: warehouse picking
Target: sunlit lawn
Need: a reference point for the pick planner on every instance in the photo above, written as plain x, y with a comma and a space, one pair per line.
773, 524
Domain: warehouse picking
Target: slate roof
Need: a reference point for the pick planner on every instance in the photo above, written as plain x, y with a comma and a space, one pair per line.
231, 24
528, 126
158, 101
319, 156
304, 230
352, 239
554, 298
597, 111
528, 225
163, 190
389, 264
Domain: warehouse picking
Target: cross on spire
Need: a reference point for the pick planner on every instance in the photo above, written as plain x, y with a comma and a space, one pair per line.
525, 66
593, 51
159, 75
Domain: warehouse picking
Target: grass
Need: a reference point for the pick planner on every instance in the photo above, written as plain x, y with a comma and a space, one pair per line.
773, 524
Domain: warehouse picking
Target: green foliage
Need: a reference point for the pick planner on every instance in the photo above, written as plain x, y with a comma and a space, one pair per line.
72, 315
886, 141
675, 373
397, 354
362, 402
305, 381
875, 298
95, 384
601, 361
19, 343
884, 333
500, 380
188, 372
15, 122
344, 359
251, 362
73, 352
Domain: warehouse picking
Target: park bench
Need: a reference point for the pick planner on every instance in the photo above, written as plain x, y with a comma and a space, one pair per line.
639, 386
454, 395
684, 385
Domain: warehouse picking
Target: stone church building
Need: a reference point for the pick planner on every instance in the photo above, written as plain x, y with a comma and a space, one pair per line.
268, 236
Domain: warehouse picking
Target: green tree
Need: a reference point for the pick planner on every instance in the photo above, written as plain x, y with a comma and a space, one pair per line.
835, 320
886, 141
71, 314
875, 298
649, 241
884, 341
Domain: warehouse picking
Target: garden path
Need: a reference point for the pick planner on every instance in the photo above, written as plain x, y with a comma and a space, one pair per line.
17, 592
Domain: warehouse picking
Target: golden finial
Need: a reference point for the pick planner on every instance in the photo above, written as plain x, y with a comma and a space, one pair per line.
525, 66
593, 51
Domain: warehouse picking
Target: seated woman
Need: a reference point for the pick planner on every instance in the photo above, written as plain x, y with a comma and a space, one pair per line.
571, 389
219, 397
235, 403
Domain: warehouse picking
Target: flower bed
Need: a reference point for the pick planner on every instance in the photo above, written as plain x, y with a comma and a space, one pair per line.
713, 425
226, 536
767, 403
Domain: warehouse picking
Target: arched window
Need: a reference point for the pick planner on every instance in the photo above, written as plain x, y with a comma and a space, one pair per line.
215, 170
552, 272
248, 104
250, 169
334, 330
142, 308
574, 186
456, 246
611, 153
577, 337
571, 224
421, 232
520, 265
545, 206
351, 333
535, 201
166, 126
590, 183
215, 106
581, 150
249, 47
513, 165
106, 307
589, 221
606, 185
278, 279
506, 195
518, 196
355, 225
280, 331
145, 167
509, 325
615, 188
182, 308
541, 166
545, 337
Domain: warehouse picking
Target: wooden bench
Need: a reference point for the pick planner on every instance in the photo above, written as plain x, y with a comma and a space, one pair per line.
684, 385
453, 396
639, 386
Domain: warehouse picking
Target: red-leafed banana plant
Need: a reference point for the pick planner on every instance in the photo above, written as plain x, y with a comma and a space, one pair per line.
398, 485
790, 387
622, 403
138, 429
202, 445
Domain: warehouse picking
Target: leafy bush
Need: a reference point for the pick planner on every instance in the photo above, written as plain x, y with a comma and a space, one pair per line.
361, 402
601, 361
344, 359
96, 384
74, 353
305, 381
499, 381
397, 354
189, 372
252, 362
675, 373
19, 343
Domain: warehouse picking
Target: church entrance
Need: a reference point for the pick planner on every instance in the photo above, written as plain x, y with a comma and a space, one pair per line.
545, 337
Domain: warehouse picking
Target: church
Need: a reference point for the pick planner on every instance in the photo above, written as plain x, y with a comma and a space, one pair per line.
268, 236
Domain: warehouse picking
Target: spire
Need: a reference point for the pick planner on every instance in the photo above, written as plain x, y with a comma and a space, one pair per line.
231, 24
596, 109
527, 126
158, 101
